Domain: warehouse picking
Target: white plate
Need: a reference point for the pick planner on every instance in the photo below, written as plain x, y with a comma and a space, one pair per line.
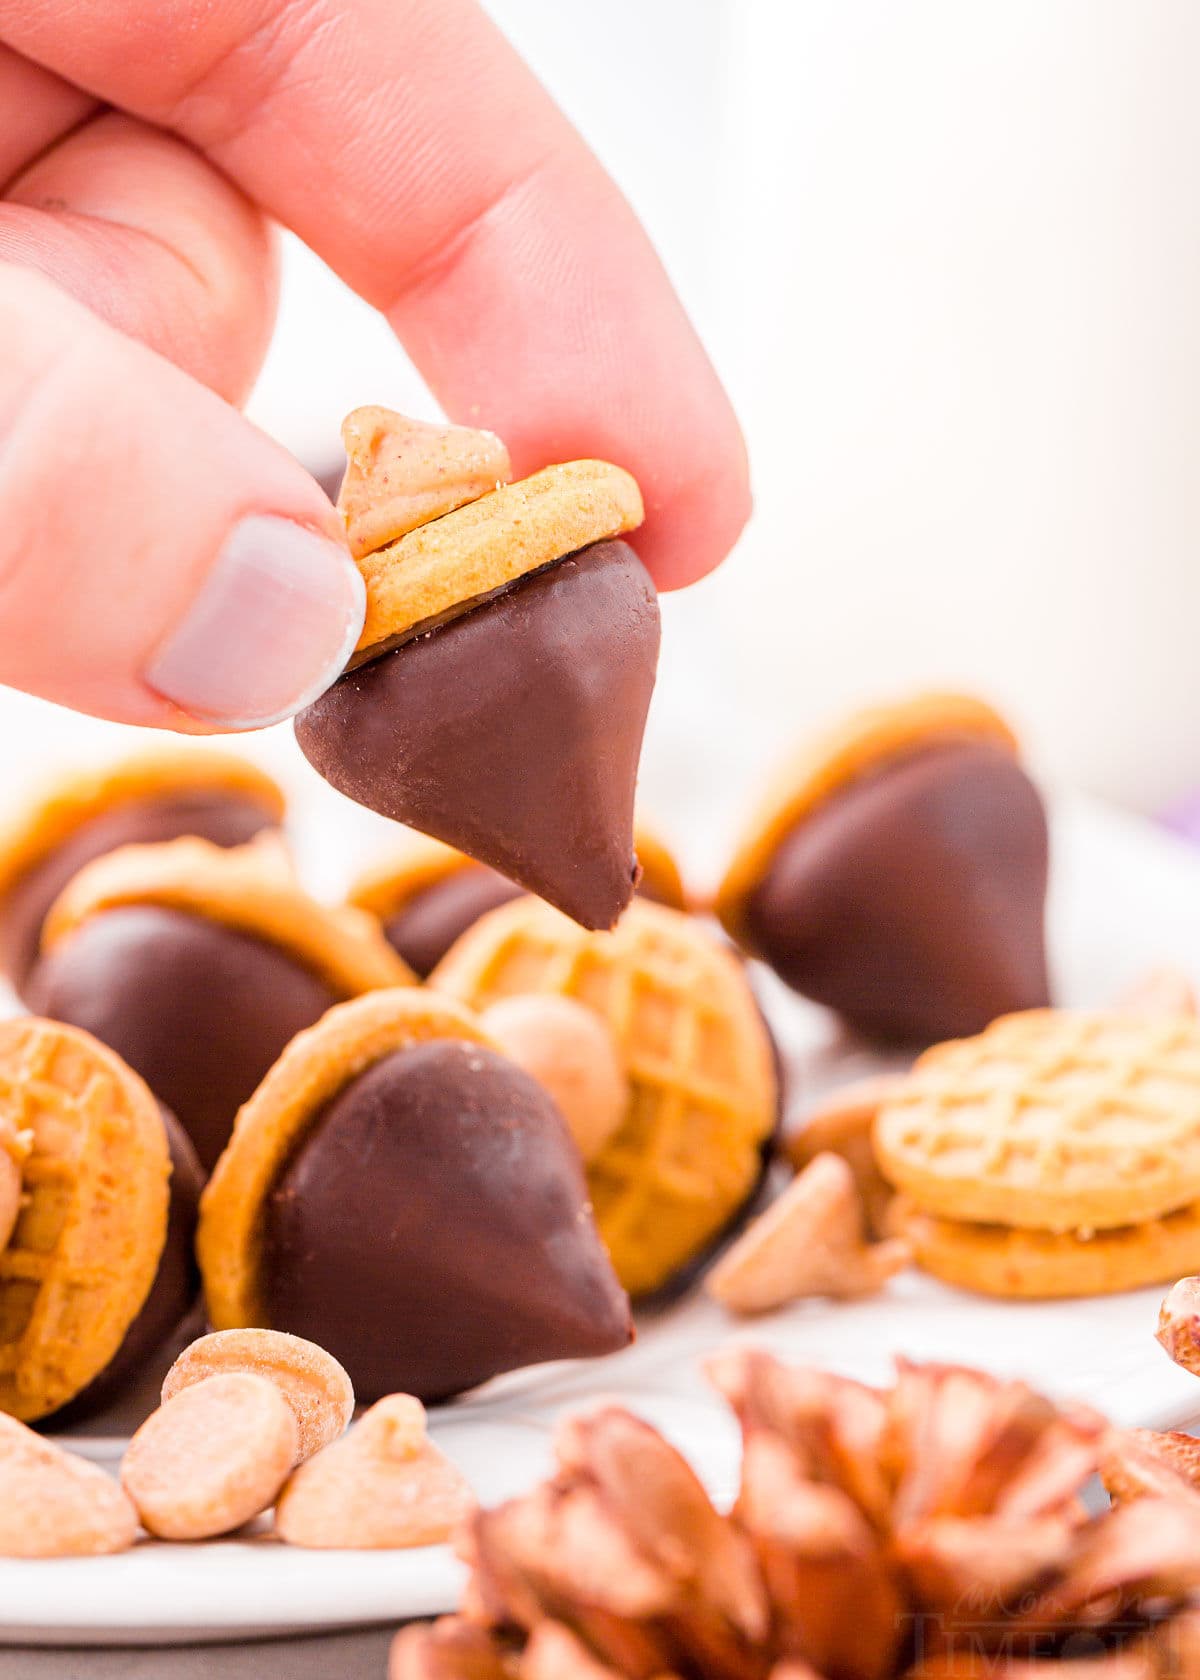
1124, 897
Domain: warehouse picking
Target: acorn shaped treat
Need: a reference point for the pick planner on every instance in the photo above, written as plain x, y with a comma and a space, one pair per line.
156, 796
498, 695
897, 873
399, 1192
98, 1268
702, 1090
197, 965
428, 894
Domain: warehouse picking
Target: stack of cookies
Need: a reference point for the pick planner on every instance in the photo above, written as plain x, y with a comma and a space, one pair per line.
1056, 1154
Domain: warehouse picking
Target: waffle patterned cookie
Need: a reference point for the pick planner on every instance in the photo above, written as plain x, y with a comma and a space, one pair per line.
87, 1242
702, 1080
1051, 1120
1042, 1265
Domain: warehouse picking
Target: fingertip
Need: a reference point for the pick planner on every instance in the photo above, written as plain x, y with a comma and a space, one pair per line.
689, 533
161, 561
271, 627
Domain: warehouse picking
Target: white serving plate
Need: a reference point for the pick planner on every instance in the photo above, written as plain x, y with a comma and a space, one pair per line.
1124, 897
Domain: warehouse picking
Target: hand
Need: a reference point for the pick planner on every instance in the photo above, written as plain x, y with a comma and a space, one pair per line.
161, 561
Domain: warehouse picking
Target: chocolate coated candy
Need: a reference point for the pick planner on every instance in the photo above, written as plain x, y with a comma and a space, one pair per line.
173, 1294
432, 1229
513, 732
199, 1009
227, 819
912, 900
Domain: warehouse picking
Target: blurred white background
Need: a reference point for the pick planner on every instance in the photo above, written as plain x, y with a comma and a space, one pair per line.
947, 257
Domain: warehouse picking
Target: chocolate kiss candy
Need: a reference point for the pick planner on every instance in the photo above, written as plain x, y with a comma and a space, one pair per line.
199, 1009
512, 732
432, 1229
912, 900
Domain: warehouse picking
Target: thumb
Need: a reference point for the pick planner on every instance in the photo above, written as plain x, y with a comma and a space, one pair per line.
161, 561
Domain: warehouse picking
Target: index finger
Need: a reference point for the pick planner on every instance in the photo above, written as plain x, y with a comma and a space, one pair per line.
407, 143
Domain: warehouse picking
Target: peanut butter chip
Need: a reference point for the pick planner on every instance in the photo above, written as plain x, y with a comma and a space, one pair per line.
211, 1458
402, 473
569, 1050
1179, 1324
841, 1124
1165, 990
384, 1485
810, 1242
54, 1504
312, 1382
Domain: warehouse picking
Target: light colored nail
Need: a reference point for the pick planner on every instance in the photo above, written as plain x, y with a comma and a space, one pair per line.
273, 625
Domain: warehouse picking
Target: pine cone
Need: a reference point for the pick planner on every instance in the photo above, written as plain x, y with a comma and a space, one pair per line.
933, 1529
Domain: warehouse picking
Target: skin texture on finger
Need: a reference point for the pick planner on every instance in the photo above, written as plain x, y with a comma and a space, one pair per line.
121, 481
39, 108
409, 145
141, 228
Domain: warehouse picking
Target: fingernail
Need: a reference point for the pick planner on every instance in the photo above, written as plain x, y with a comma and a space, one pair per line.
273, 625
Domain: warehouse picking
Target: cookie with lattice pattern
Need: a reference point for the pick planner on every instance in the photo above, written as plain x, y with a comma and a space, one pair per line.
1051, 1120
86, 1246
696, 1051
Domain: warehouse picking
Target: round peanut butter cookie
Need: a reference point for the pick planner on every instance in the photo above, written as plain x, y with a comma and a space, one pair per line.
1051, 1120
86, 1246
1044, 1265
695, 1049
